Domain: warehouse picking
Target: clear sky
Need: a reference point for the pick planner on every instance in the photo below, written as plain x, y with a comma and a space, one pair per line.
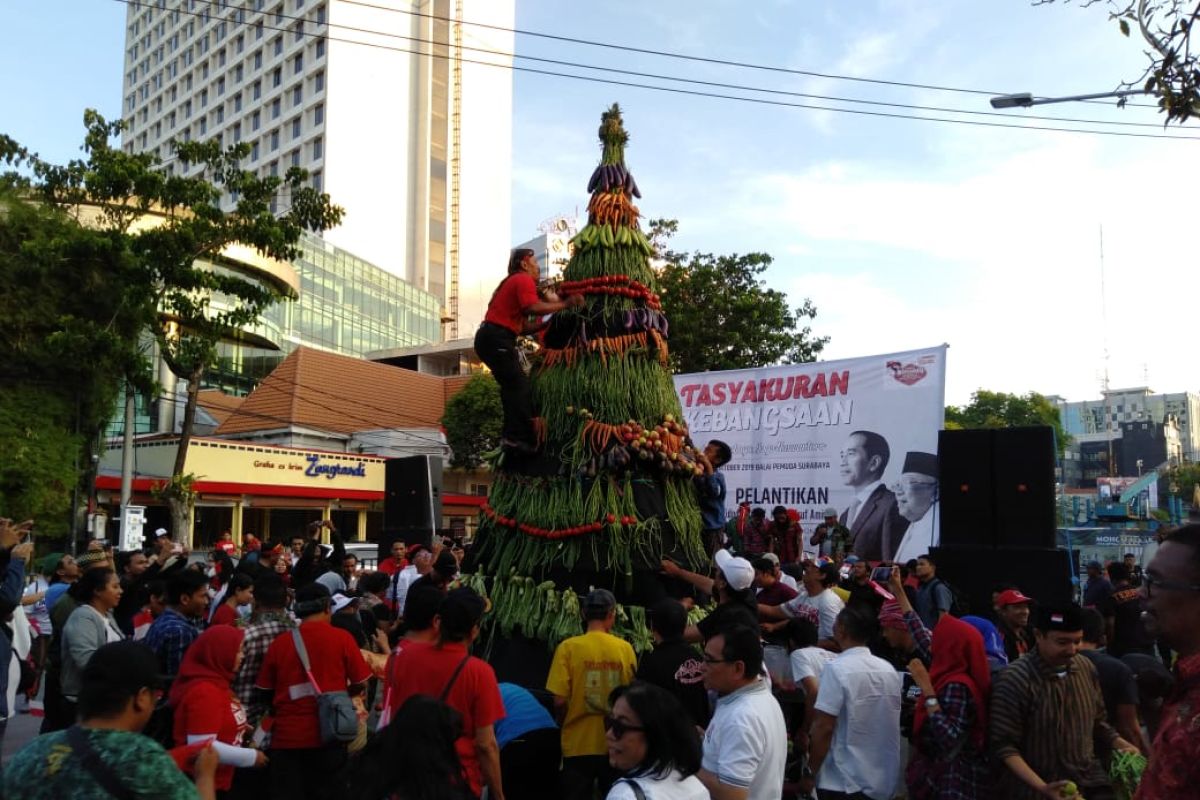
903, 233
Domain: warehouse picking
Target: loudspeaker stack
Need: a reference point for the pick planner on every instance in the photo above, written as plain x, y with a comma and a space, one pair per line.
412, 500
998, 519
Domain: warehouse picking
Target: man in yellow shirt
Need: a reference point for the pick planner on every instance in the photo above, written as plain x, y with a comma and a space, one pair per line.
584, 672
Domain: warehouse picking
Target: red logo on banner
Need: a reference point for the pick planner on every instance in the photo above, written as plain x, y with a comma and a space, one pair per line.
908, 374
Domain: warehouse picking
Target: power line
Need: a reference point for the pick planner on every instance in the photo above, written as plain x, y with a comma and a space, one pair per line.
281, 385
700, 59
710, 84
375, 430
715, 95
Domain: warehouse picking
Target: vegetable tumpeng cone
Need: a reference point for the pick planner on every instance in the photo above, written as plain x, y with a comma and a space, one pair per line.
611, 491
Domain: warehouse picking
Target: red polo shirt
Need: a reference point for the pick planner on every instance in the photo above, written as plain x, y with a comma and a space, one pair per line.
475, 694
336, 663
507, 308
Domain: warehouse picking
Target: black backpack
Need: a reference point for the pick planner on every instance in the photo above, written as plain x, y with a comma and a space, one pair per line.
959, 607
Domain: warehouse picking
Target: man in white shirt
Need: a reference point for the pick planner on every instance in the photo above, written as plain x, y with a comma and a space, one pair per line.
872, 516
855, 735
745, 744
420, 562
816, 602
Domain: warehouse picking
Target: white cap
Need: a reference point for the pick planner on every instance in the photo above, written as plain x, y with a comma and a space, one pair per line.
738, 572
160, 532
340, 601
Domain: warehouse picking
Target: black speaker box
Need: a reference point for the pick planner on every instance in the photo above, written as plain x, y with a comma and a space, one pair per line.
1023, 465
997, 487
965, 488
1041, 573
412, 498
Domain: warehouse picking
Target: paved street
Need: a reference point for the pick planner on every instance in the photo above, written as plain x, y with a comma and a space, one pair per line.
21, 729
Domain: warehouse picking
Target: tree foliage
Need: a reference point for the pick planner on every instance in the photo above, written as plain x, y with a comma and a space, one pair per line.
722, 315
169, 271
41, 456
1002, 410
473, 420
1185, 478
74, 305
1172, 72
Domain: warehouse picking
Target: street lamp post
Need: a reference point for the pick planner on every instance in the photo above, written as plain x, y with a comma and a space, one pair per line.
1025, 99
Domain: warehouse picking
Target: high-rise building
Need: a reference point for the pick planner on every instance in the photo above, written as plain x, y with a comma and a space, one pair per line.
1137, 404
401, 112
336, 302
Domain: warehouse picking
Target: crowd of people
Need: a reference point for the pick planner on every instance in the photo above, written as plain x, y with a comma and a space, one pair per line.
291, 673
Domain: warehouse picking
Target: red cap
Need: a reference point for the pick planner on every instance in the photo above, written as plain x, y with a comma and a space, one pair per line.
413, 549
1012, 597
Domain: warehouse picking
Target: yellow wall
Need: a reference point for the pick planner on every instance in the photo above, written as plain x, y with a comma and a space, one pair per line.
214, 460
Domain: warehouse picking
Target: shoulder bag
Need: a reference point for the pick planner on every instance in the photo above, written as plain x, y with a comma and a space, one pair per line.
453, 677
638, 791
336, 716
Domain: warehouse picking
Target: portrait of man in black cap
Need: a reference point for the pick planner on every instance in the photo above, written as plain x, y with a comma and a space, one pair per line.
917, 501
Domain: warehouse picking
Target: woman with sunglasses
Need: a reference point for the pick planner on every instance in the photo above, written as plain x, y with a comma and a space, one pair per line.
652, 745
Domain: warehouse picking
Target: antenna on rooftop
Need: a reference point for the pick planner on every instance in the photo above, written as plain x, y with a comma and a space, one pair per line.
1108, 420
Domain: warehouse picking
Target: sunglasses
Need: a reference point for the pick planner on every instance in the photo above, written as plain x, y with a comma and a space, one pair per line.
619, 728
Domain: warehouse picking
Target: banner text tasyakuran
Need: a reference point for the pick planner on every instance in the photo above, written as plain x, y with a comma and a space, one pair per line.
738, 405
789, 426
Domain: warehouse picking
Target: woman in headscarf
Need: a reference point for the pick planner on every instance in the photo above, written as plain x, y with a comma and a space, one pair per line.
205, 706
950, 729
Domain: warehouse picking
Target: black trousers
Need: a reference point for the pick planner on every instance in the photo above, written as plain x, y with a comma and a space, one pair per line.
529, 765
496, 346
306, 774
58, 712
586, 777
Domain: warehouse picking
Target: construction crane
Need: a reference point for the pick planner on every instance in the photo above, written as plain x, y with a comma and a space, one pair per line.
455, 164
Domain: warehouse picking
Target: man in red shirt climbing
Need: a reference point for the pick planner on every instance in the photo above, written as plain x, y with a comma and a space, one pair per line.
514, 301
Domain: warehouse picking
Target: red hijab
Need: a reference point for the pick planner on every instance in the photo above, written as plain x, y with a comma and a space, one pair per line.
210, 659
959, 657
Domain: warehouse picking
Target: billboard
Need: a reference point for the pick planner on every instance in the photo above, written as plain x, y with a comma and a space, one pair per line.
858, 436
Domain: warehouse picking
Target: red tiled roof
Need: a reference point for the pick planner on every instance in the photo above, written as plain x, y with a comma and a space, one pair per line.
217, 404
339, 394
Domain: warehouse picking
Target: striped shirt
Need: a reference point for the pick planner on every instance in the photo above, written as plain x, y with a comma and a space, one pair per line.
1050, 722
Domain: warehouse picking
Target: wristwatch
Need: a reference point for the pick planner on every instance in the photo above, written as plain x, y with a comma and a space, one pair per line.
930, 702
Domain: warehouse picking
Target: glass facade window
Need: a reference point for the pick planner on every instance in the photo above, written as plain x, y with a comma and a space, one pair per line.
352, 307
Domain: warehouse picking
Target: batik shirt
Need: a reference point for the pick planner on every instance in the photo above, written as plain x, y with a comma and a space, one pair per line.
48, 769
1174, 769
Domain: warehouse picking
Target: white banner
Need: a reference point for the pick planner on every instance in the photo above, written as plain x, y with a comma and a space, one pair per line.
857, 436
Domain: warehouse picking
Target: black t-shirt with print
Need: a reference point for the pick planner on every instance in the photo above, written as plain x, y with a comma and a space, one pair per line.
679, 668
1128, 635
